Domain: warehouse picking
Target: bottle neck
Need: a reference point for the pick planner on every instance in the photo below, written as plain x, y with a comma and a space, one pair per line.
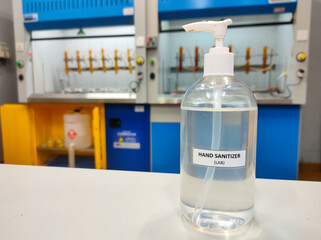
219, 61
219, 80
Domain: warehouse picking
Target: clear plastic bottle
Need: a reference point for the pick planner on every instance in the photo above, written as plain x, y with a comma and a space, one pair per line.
216, 197
218, 143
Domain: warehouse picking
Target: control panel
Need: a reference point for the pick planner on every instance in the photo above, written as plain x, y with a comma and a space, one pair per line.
152, 42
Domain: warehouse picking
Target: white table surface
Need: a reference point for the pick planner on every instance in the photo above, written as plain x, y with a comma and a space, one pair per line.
63, 203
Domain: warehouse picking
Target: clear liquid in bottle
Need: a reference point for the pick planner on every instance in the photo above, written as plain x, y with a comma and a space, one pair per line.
218, 153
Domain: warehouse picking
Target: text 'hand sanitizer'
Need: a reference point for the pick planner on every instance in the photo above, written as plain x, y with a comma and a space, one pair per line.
218, 141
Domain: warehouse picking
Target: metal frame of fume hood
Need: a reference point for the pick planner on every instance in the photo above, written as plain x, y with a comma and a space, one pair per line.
31, 91
301, 22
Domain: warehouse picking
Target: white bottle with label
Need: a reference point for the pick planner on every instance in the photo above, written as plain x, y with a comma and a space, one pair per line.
218, 141
77, 129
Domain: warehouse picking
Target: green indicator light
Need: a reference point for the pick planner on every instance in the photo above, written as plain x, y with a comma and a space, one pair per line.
151, 61
19, 64
153, 43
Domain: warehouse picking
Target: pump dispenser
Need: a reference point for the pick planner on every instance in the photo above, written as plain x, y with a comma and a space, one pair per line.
219, 61
218, 141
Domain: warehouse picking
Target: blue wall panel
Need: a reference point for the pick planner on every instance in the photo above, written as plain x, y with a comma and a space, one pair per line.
277, 143
165, 147
133, 128
186, 9
59, 14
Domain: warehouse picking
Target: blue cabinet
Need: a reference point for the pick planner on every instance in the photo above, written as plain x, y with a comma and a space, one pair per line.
127, 137
277, 143
165, 147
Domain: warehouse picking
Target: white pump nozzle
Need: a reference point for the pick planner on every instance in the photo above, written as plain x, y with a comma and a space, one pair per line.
219, 61
218, 28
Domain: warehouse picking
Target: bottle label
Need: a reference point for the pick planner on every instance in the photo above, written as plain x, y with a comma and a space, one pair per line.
224, 159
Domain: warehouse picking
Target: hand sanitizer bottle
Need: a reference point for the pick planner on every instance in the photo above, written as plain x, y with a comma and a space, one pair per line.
218, 141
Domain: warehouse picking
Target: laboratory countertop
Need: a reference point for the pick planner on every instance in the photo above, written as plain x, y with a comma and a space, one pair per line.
63, 203
114, 97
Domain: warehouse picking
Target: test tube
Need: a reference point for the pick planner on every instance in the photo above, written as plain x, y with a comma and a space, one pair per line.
230, 48
116, 62
264, 59
66, 63
130, 67
247, 58
180, 68
103, 60
78, 62
91, 62
196, 59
